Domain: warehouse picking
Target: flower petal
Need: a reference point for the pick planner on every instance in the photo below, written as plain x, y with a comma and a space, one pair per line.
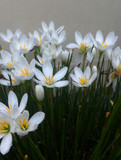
60, 74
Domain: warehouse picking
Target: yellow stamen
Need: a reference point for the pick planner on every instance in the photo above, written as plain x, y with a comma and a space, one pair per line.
83, 81
13, 81
24, 125
104, 45
49, 80
24, 72
54, 52
9, 64
40, 40
119, 66
42, 62
8, 110
10, 106
11, 53
24, 47
10, 40
4, 128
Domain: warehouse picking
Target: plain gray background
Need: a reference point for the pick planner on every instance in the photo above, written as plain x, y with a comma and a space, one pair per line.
76, 15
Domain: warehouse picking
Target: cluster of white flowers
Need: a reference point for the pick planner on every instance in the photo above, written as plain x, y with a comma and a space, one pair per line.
15, 119
46, 43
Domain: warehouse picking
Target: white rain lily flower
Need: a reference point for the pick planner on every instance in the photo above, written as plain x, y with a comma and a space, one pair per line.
37, 38
23, 69
116, 59
83, 44
10, 35
7, 126
7, 59
13, 109
6, 80
43, 59
48, 79
53, 51
102, 44
24, 125
49, 29
66, 55
55, 38
81, 79
39, 91
23, 44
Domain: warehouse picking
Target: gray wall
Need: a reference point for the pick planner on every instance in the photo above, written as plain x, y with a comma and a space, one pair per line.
81, 15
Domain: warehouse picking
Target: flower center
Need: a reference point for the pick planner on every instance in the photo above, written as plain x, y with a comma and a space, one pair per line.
4, 127
10, 40
54, 52
83, 47
24, 124
119, 66
49, 80
24, 72
24, 47
9, 64
40, 40
83, 81
104, 45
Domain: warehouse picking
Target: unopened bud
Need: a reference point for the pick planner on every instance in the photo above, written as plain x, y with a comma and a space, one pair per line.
111, 102
94, 69
93, 51
39, 91
65, 55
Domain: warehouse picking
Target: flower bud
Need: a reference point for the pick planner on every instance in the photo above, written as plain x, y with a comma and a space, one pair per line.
93, 51
94, 69
65, 55
39, 91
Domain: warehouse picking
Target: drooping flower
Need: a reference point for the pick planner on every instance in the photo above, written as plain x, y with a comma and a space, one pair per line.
24, 70
7, 126
102, 44
14, 109
83, 44
24, 125
10, 35
48, 79
81, 79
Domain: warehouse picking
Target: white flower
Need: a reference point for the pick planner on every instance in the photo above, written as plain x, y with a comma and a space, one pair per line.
56, 38
53, 51
83, 44
7, 59
81, 79
13, 108
23, 69
23, 44
6, 80
116, 58
10, 35
37, 38
7, 126
39, 90
48, 79
24, 125
102, 44
43, 59
49, 29
66, 55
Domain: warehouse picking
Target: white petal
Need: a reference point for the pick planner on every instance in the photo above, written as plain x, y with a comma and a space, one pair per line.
12, 99
72, 45
74, 78
78, 72
93, 77
23, 102
87, 72
60, 74
6, 144
99, 36
39, 75
61, 84
37, 118
78, 38
78, 59
47, 69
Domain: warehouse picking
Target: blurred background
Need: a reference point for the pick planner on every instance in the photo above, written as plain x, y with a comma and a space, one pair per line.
76, 15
